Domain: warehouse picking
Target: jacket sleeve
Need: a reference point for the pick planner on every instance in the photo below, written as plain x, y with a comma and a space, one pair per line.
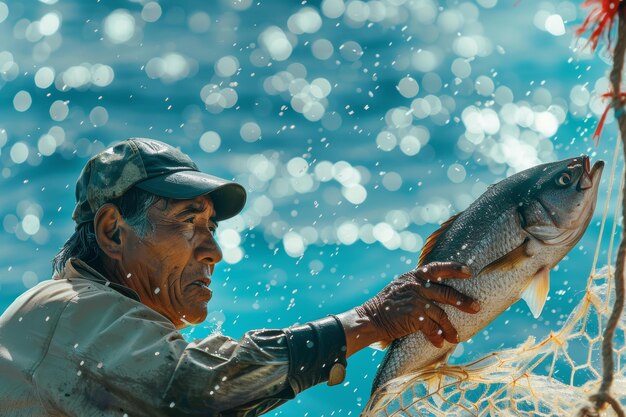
259, 372
112, 354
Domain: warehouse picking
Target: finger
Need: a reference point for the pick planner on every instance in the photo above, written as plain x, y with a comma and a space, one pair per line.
436, 314
432, 332
445, 294
444, 270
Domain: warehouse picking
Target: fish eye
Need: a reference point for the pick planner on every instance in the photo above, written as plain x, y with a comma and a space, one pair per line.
564, 179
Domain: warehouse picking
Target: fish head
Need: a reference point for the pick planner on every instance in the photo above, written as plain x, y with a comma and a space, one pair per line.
559, 206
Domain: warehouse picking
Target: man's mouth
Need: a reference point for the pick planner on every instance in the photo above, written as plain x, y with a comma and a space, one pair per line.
204, 283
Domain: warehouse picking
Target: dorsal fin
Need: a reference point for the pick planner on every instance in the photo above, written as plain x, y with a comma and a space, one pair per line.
432, 239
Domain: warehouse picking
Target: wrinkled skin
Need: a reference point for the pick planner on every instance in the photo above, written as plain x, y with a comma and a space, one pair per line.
164, 266
406, 305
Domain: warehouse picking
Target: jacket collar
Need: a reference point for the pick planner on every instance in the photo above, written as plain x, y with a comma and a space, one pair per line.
75, 268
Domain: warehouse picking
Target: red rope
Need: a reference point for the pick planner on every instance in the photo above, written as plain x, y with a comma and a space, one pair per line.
600, 20
621, 98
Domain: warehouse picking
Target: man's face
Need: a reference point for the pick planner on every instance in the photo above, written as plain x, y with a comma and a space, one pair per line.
171, 267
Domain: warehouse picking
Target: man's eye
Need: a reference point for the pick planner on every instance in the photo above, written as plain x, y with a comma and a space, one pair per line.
190, 220
212, 229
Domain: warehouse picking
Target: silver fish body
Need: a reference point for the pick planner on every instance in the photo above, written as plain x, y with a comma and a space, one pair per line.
510, 237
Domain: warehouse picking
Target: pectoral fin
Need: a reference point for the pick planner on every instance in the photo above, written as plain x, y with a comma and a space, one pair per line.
537, 291
509, 261
379, 345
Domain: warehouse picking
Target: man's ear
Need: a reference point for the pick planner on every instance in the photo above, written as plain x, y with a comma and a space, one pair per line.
109, 228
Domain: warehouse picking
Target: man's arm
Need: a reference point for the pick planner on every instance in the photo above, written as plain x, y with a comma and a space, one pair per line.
112, 353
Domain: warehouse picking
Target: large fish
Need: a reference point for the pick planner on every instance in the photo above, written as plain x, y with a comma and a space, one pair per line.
510, 237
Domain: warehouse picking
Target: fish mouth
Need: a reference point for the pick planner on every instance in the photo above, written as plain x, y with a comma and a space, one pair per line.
590, 176
550, 232
589, 183
596, 171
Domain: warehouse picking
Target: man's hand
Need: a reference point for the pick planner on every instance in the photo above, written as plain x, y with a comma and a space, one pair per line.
407, 304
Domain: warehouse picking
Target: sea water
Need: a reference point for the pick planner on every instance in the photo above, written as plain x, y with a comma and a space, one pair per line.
356, 127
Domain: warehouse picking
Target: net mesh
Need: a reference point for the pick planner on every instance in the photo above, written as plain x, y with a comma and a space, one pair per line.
550, 377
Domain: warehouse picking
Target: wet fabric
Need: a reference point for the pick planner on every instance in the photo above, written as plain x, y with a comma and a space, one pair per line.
80, 345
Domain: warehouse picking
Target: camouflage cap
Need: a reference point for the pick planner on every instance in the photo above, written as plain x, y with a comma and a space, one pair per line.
155, 167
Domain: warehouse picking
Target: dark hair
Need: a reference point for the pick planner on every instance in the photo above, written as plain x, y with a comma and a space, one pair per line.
133, 206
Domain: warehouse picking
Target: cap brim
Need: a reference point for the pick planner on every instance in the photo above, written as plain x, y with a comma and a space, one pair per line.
228, 197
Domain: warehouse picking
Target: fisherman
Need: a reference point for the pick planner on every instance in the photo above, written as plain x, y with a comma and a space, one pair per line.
102, 337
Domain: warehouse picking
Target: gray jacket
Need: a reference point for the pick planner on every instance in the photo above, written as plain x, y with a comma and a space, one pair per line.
80, 345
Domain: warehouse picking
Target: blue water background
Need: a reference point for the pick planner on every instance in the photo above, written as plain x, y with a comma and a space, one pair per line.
268, 287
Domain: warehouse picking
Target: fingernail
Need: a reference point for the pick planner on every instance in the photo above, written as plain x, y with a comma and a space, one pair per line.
457, 339
466, 270
475, 306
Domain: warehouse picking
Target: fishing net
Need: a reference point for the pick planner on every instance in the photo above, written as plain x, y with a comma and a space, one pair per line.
550, 377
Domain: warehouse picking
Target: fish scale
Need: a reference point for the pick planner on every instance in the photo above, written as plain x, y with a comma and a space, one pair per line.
491, 237
495, 245
482, 288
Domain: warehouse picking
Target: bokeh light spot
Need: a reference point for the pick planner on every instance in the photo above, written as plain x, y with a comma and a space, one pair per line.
19, 152
49, 24
227, 66
250, 132
322, 49
456, 173
46, 145
98, 116
199, 22
210, 141
119, 26
151, 12
30, 224
22, 101
59, 110
408, 87
392, 181
44, 77
4, 11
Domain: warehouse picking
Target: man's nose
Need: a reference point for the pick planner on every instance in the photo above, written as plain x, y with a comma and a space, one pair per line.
207, 250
